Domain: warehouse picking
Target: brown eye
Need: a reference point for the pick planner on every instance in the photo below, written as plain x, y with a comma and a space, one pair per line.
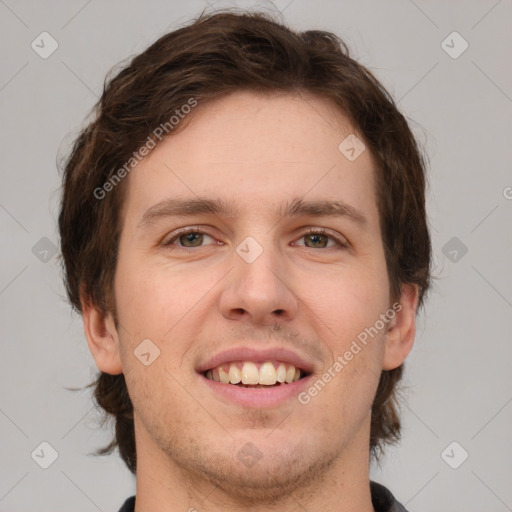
319, 238
188, 239
316, 240
191, 239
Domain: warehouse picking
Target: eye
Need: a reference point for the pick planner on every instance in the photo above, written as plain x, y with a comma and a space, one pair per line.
318, 238
187, 239
314, 238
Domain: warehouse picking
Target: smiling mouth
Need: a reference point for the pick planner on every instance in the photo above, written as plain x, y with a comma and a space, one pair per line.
248, 374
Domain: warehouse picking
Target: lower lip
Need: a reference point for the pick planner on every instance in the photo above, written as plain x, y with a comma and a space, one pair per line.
257, 397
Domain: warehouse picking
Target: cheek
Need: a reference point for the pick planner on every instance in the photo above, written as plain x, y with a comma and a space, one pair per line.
163, 305
348, 299
348, 307
147, 299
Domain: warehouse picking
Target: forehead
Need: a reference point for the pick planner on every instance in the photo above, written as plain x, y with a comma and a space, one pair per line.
252, 150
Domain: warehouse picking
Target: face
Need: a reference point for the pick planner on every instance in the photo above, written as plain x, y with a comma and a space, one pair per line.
248, 237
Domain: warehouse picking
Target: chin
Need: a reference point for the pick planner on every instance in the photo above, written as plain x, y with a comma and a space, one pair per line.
264, 476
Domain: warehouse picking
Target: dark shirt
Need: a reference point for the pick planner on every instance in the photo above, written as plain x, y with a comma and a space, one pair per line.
382, 501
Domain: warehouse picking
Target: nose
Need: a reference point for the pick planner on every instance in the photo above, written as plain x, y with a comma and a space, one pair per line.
259, 291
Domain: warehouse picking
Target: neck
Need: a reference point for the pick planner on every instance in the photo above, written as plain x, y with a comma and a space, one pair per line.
341, 484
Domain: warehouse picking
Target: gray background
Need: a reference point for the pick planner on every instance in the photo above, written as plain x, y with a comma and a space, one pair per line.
458, 380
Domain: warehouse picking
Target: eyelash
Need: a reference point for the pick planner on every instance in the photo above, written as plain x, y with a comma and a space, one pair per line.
342, 243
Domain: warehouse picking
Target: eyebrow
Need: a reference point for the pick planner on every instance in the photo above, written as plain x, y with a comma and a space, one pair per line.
183, 207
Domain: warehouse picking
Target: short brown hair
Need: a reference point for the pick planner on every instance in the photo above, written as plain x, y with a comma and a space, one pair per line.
215, 55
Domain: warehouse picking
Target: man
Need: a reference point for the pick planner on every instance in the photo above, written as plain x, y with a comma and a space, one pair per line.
243, 230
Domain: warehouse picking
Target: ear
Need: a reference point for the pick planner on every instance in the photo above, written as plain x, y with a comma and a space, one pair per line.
102, 338
401, 329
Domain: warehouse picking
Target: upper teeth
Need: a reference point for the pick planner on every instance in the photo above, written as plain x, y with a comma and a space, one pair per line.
248, 373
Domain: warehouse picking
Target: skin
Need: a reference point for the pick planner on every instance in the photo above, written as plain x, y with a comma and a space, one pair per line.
258, 151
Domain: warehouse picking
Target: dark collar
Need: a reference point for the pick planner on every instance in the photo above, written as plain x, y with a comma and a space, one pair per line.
382, 500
